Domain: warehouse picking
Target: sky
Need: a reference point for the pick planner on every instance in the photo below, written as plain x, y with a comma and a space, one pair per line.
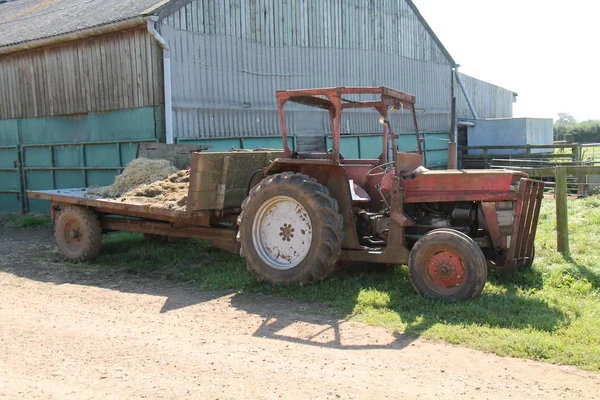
546, 51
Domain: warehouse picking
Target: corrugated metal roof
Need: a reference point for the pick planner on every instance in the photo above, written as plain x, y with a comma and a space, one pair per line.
26, 20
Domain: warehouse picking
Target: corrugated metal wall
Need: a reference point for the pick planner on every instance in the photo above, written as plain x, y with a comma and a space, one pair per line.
490, 101
117, 71
229, 57
388, 26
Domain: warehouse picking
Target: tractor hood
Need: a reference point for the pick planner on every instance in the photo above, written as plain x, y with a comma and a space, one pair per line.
459, 185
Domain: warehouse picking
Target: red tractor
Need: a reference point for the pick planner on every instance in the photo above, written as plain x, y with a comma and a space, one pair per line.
313, 210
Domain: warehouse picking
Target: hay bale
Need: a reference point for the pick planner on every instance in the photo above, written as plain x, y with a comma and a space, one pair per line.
170, 193
141, 171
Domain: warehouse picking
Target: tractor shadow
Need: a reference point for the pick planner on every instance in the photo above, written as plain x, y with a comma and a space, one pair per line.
387, 296
314, 315
313, 325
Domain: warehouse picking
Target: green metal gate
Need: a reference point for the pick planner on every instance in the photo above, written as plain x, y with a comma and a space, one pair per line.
69, 152
11, 193
72, 165
435, 146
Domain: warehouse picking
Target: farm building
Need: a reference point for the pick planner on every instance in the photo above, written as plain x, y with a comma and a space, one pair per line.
83, 82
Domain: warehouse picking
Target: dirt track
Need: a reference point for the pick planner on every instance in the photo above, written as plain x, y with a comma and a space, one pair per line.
68, 334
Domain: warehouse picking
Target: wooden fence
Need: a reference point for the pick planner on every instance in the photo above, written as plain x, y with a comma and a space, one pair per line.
528, 155
561, 194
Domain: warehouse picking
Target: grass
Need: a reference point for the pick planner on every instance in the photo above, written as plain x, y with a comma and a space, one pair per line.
589, 152
550, 312
27, 222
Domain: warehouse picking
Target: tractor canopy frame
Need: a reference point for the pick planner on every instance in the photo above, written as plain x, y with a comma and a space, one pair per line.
335, 100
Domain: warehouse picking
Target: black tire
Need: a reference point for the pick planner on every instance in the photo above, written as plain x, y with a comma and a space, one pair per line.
447, 265
325, 230
78, 234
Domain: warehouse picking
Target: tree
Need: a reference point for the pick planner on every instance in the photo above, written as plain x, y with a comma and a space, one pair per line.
565, 119
563, 125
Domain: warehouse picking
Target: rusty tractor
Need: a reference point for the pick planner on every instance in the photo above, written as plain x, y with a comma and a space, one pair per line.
312, 210
296, 216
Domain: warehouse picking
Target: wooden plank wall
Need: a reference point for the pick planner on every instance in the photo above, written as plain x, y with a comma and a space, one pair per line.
109, 72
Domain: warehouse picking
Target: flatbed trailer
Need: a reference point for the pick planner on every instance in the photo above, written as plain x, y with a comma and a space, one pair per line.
115, 215
219, 183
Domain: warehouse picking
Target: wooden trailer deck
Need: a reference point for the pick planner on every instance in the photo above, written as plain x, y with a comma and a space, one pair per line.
117, 215
86, 198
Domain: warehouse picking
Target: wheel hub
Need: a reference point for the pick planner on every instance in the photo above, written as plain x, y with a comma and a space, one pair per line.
72, 234
446, 269
282, 232
287, 232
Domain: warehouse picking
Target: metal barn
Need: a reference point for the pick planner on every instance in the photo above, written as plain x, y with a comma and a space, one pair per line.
83, 82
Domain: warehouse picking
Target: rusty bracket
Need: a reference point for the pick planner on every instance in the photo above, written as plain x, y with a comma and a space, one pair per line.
222, 187
402, 219
491, 218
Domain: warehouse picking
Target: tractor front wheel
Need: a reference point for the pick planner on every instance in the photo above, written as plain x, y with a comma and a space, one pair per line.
447, 265
290, 230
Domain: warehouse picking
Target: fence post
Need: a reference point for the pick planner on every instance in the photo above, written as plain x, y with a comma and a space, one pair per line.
562, 218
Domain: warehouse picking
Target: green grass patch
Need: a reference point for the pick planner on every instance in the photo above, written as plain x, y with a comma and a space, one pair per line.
550, 312
591, 153
27, 222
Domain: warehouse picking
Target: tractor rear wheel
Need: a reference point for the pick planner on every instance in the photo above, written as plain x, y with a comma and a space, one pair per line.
78, 233
290, 230
447, 265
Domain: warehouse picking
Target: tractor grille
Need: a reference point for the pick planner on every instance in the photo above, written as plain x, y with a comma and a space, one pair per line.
527, 212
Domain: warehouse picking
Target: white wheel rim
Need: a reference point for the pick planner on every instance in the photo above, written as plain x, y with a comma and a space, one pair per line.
282, 232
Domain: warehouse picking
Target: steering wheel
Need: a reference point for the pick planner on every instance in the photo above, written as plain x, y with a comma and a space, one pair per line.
381, 169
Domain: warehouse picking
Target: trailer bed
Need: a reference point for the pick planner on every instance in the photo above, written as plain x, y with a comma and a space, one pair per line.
116, 215
84, 197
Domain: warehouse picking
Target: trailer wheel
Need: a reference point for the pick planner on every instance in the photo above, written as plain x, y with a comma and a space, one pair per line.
78, 233
290, 230
447, 265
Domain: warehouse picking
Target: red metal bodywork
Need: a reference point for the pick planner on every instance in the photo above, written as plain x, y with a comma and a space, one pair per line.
404, 184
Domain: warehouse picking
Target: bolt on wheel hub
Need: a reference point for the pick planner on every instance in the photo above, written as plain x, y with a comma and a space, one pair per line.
287, 232
446, 269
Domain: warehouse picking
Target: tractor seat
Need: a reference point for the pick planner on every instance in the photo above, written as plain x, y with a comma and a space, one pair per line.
359, 195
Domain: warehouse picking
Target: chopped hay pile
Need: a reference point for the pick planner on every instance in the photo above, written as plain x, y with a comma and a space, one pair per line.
141, 171
169, 193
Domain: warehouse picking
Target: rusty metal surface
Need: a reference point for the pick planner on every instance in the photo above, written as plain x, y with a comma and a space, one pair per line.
491, 218
396, 251
458, 185
219, 237
335, 100
527, 212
